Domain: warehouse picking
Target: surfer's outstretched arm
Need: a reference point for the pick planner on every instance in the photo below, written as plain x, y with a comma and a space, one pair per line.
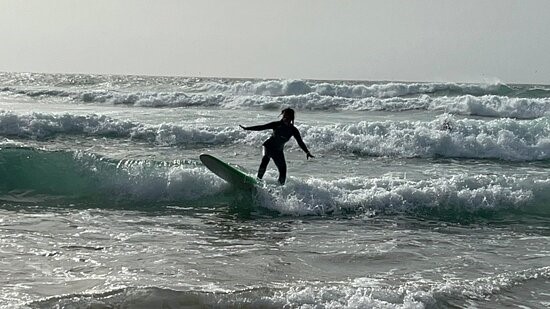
301, 143
267, 126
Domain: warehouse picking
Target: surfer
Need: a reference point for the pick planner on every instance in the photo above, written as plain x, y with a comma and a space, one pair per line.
273, 147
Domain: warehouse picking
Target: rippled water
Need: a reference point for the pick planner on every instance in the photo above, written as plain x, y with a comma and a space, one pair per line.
416, 199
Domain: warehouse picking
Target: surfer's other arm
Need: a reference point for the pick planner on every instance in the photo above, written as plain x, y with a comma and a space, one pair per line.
267, 126
301, 143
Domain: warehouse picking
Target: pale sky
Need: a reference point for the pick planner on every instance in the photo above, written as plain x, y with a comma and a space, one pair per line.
407, 40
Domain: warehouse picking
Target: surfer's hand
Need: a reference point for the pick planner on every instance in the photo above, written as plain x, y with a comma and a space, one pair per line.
309, 155
242, 127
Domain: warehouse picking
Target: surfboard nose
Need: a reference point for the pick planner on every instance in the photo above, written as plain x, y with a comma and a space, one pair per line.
227, 172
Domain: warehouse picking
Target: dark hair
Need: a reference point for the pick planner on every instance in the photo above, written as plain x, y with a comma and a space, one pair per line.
288, 113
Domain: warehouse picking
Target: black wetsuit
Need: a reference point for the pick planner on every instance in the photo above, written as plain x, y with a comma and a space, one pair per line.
273, 146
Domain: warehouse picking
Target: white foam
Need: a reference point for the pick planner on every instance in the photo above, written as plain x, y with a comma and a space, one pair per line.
147, 180
347, 90
415, 293
360, 292
388, 194
171, 184
493, 106
505, 139
150, 98
40, 125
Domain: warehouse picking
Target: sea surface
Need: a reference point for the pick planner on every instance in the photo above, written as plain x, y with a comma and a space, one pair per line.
421, 195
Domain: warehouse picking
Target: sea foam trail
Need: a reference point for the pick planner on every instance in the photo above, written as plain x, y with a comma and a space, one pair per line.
504, 139
362, 292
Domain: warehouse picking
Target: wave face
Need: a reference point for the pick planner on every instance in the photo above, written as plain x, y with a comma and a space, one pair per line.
28, 171
487, 100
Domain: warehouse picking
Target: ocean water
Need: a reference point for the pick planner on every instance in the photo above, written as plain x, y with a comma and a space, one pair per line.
421, 195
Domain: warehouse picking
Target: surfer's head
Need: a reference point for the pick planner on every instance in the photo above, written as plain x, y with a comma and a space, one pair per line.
288, 115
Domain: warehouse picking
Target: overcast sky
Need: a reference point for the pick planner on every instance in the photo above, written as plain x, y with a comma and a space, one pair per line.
427, 40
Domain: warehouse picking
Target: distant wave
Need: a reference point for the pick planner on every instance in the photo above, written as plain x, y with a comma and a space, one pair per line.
26, 82
503, 139
84, 175
475, 100
293, 87
275, 87
136, 98
484, 105
493, 106
353, 90
42, 126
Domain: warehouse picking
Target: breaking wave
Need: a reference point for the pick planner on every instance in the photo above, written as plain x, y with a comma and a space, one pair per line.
502, 139
27, 172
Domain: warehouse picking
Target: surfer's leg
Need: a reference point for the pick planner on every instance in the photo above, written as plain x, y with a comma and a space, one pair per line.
279, 159
263, 167
263, 164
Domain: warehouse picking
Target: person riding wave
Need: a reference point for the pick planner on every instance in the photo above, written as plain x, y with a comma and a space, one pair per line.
273, 147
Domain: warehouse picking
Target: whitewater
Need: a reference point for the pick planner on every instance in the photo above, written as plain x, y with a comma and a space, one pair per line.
421, 194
